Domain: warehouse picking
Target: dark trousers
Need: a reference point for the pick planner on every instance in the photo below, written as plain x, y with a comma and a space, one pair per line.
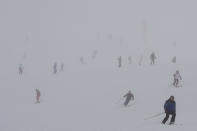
176, 82
152, 62
167, 116
126, 102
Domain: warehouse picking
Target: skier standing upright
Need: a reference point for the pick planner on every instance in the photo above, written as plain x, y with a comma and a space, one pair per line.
130, 59
119, 61
37, 96
82, 60
20, 69
174, 59
55, 68
170, 109
128, 96
177, 78
141, 59
152, 58
62, 67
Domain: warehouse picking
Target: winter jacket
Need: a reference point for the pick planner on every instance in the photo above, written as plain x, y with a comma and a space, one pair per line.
170, 106
38, 93
129, 96
153, 56
177, 76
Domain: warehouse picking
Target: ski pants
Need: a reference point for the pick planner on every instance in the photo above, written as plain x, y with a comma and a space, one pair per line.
176, 82
152, 62
167, 116
126, 102
38, 99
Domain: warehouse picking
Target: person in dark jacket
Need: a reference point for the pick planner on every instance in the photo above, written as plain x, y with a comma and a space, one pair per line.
55, 68
170, 109
128, 96
152, 58
38, 94
20, 69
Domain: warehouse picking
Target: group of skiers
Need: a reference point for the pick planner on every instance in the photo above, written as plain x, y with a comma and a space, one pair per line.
169, 105
55, 68
153, 58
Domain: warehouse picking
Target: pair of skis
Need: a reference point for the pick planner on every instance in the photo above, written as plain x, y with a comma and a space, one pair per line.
159, 114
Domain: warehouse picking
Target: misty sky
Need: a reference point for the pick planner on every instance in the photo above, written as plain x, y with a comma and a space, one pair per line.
50, 30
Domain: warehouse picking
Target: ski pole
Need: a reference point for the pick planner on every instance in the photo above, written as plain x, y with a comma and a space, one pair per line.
153, 116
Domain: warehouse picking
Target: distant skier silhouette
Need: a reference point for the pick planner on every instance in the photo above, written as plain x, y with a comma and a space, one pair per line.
62, 67
119, 61
177, 78
152, 58
20, 69
141, 59
130, 59
82, 60
94, 54
129, 96
174, 59
55, 68
38, 94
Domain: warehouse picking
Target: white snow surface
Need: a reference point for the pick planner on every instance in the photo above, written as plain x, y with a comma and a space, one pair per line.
89, 96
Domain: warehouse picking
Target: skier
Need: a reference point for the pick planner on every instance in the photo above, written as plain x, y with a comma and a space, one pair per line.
170, 109
141, 59
174, 59
177, 77
128, 96
119, 61
55, 68
130, 59
37, 96
62, 67
152, 58
20, 69
94, 54
82, 60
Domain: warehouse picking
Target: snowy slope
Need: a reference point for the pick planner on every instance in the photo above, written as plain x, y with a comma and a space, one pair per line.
89, 96
91, 99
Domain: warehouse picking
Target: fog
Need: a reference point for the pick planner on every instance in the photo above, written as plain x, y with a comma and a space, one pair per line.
38, 33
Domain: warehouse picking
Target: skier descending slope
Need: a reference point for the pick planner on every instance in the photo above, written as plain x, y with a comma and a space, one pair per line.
170, 109
20, 69
177, 78
174, 59
119, 61
128, 96
130, 59
152, 58
62, 67
37, 96
55, 68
